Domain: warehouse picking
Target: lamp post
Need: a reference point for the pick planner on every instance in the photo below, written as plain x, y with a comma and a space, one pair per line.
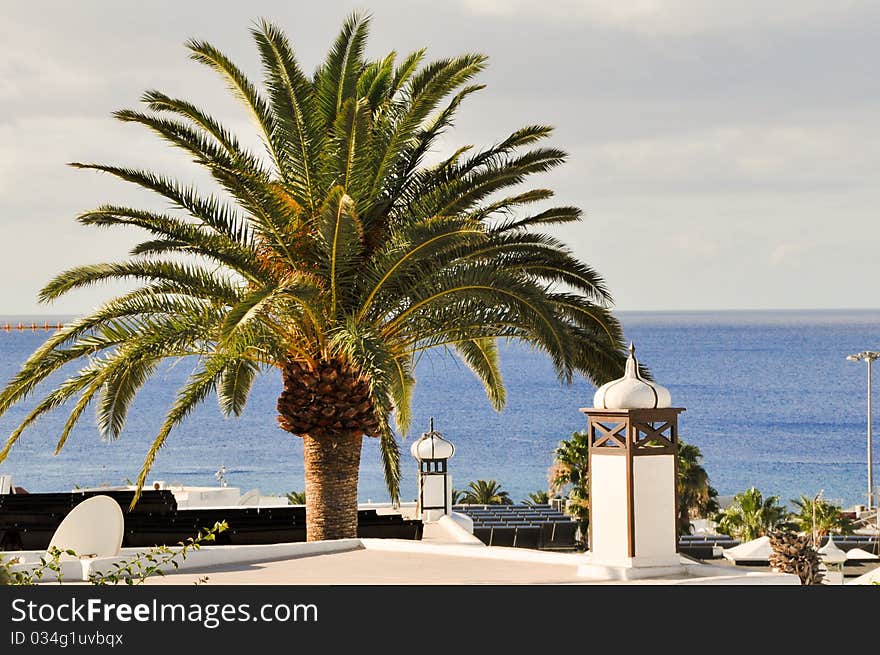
868, 356
815, 529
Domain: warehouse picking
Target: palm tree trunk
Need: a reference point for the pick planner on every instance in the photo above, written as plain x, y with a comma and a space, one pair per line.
332, 465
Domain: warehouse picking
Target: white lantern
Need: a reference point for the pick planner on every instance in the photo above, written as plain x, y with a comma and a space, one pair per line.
432, 452
834, 558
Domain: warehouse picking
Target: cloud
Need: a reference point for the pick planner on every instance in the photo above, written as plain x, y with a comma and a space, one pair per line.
676, 17
695, 244
22, 77
712, 136
789, 253
753, 157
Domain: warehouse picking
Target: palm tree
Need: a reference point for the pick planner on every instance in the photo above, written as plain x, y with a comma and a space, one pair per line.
296, 497
816, 516
696, 497
537, 498
751, 516
792, 553
570, 474
485, 492
336, 259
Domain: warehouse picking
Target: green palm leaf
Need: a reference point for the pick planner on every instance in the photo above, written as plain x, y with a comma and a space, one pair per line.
292, 102
481, 356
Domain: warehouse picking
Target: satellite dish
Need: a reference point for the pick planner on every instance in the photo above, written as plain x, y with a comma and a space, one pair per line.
93, 528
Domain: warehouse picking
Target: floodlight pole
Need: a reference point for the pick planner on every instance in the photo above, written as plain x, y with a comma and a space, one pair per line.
870, 442
868, 356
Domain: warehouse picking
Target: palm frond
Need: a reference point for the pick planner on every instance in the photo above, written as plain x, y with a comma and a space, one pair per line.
340, 233
293, 107
242, 88
160, 102
239, 254
507, 206
402, 384
427, 88
390, 451
235, 385
336, 80
553, 216
374, 82
210, 211
481, 356
405, 71
56, 398
349, 167
431, 242
191, 276
199, 386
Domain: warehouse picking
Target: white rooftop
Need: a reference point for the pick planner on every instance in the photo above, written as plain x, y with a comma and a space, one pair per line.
446, 555
860, 554
756, 550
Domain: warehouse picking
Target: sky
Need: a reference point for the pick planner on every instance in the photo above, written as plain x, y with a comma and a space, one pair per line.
726, 154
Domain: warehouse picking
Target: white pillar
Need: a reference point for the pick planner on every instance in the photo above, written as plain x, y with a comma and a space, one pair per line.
633, 509
435, 493
649, 539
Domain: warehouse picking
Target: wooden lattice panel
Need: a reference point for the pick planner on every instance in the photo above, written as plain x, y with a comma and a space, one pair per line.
608, 435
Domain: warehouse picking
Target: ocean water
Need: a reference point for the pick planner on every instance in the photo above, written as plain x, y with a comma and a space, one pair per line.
770, 401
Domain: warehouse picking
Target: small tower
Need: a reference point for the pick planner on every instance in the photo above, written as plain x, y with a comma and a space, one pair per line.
833, 558
432, 452
633, 435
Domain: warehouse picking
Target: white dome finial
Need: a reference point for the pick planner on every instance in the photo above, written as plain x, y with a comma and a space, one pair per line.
632, 364
631, 391
431, 446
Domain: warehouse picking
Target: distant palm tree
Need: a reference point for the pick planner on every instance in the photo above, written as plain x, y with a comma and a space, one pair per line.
537, 498
457, 495
334, 256
751, 516
485, 492
296, 497
696, 497
570, 475
820, 517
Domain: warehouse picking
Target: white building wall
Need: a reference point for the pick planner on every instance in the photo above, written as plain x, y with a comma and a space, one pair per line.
608, 521
654, 506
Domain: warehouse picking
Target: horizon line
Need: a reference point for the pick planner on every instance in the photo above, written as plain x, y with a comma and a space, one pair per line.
47, 315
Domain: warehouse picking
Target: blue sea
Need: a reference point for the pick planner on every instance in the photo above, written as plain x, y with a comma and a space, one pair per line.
771, 402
